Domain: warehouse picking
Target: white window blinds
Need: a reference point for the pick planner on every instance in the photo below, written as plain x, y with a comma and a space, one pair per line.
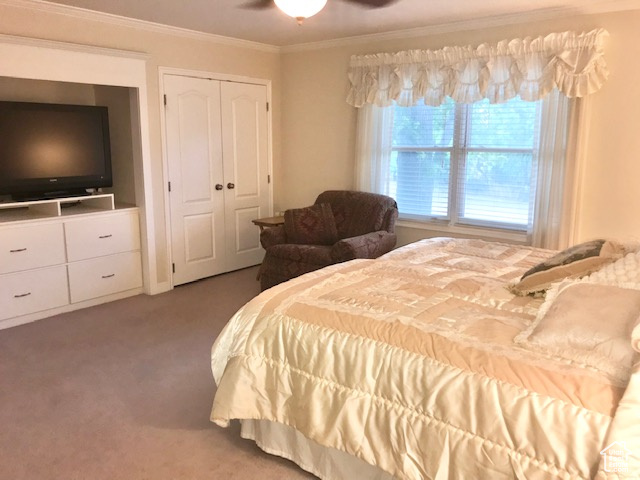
469, 164
422, 150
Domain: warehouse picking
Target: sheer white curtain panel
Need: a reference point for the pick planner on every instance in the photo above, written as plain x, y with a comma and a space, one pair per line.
373, 148
546, 227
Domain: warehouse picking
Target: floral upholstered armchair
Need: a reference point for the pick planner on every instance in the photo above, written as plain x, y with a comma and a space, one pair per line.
339, 226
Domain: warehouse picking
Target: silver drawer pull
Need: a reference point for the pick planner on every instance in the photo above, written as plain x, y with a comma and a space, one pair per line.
105, 236
18, 250
22, 295
109, 276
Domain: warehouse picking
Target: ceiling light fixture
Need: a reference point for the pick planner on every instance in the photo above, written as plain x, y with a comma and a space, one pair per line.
300, 9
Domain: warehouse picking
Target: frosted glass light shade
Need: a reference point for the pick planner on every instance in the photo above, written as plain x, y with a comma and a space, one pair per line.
300, 9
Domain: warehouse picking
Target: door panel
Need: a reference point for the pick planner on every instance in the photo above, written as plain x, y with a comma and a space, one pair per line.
245, 238
198, 233
245, 153
195, 141
245, 137
194, 153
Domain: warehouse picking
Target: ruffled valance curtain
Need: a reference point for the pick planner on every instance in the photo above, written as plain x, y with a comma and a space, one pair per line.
530, 67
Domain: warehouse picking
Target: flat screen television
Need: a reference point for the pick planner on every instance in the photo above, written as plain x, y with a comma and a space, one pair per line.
52, 150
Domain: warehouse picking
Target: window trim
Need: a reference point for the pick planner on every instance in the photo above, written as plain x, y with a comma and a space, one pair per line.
521, 236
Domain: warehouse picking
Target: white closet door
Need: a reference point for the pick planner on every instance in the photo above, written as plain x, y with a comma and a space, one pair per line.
245, 153
194, 153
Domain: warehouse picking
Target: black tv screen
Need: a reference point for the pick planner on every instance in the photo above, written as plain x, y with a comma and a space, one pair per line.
52, 149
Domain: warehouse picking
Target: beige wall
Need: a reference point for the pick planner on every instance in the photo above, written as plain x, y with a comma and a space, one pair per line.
117, 99
21, 90
164, 50
320, 127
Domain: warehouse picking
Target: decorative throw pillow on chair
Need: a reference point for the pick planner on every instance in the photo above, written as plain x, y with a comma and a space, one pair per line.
312, 225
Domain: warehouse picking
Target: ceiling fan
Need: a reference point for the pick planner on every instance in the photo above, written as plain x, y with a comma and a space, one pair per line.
301, 9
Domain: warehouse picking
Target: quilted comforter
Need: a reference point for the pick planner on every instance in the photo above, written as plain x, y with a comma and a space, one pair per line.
408, 363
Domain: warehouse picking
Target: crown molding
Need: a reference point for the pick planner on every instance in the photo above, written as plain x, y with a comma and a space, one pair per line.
75, 47
85, 14
465, 25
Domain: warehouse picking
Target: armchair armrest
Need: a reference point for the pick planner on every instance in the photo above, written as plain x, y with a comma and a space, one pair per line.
369, 245
272, 236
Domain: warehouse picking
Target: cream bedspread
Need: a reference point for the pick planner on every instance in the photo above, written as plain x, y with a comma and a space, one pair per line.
408, 363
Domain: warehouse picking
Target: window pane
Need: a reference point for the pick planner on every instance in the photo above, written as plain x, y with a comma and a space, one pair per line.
424, 126
504, 125
420, 182
496, 187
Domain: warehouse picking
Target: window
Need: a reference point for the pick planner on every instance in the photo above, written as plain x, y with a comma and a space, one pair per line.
465, 164
458, 167
514, 166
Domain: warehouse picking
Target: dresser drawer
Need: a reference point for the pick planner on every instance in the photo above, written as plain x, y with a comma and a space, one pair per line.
33, 291
102, 235
104, 275
23, 248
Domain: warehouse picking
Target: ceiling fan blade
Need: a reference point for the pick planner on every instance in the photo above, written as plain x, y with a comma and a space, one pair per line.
258, 4
372, 3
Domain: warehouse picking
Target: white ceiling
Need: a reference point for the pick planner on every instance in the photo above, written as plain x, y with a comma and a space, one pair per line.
339, 19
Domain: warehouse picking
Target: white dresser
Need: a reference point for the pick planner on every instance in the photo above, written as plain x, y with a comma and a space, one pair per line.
60, 255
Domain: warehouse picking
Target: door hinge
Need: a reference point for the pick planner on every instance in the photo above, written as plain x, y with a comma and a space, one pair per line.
169, 184
173, 267
267, 106
165, 100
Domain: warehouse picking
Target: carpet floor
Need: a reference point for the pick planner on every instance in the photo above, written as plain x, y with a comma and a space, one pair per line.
124, 391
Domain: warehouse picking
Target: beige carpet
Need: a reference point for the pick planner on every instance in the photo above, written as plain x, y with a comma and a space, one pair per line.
124, 390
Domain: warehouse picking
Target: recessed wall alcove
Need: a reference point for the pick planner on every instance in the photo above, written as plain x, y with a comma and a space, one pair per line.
53, 72
117, 99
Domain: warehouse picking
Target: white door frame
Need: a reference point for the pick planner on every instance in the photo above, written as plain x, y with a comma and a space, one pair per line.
162, 71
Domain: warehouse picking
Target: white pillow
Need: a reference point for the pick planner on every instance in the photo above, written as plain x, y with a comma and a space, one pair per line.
624, 272
589, 325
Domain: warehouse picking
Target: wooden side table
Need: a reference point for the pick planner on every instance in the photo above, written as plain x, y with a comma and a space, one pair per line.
268, 222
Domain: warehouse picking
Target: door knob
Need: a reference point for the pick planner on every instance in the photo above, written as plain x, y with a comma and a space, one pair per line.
231, 186
219, 186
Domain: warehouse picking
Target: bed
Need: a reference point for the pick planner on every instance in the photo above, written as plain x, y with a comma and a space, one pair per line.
406, 367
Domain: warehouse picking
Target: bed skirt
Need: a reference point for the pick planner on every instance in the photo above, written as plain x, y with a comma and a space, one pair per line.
324, 462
